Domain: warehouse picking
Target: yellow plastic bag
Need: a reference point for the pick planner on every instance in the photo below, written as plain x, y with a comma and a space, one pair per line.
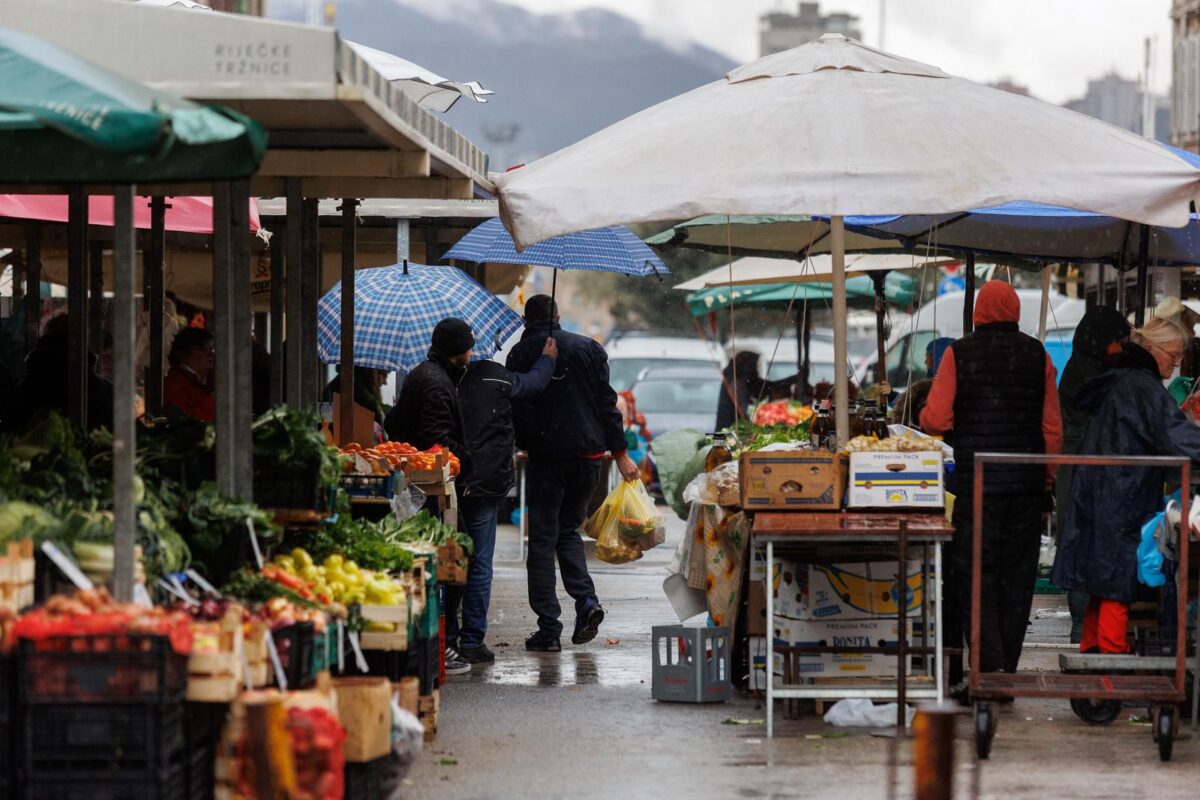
625, 524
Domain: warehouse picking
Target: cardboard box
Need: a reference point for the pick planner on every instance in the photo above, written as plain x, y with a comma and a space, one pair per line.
365, 711
793, 479
842, 633
896, 480
859, 590
790, 587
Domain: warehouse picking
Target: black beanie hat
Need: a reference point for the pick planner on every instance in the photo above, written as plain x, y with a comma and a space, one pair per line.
452, 337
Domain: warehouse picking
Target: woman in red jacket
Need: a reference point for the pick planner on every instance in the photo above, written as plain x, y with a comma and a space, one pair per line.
188, 385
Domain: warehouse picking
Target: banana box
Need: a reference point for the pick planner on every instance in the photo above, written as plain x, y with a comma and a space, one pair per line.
896, 480
842, 633
861, 590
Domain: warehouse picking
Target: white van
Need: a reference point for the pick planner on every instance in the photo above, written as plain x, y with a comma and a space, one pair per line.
943, 316
631, 354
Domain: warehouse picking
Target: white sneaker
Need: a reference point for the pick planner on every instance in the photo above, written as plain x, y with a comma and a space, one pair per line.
455, 663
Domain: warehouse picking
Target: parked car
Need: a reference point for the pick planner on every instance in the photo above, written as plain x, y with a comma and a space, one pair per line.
631, 354
678, 397
943, 317
778, 358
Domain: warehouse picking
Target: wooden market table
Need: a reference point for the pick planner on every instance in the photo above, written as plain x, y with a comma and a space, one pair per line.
819, 535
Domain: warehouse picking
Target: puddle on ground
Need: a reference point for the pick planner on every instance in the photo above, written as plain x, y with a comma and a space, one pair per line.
614, 668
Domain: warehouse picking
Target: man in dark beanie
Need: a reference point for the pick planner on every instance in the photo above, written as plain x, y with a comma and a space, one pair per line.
567, 430
427, 411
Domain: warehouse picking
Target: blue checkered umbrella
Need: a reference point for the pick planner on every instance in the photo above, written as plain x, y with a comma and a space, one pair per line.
614, 249
396, 309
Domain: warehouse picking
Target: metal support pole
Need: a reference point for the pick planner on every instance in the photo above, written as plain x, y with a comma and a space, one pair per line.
878, 278
276, 335
78, 365
902, 630
124, 336
969, 299
1142, 270
152, 277
310, 295
293, 368
933, 752
768, 588
226, 343
95, 296
346, 382
841, 394
33, 283
1044, 309
242, 335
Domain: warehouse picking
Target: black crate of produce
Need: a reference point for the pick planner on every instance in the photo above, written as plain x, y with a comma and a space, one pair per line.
8, 721
295, 644
381, 779
369, 487
293, 486
167, 785
123, 668
93, 738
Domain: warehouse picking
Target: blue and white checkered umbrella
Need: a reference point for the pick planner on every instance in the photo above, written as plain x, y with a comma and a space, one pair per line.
614, 249
396, 309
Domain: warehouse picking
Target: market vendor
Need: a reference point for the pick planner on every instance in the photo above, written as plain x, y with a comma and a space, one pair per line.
1134, 416
742, 386
188, 386
1097, 347
995, 392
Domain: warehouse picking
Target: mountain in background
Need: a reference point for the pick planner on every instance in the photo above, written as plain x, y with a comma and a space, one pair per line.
557, 77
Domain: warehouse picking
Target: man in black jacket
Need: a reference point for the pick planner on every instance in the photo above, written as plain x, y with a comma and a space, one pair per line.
567, 431
487, 393
427, 411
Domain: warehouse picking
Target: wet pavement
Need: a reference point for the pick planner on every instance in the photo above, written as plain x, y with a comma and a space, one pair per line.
582, 724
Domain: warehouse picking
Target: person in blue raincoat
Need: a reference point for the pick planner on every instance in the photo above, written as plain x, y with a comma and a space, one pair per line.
1134, 416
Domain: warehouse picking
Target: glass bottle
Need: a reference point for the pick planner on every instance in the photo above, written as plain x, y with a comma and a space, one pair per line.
818, 432
718, 454
884, 431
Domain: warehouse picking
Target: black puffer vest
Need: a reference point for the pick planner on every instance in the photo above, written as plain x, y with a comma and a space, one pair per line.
1000, 389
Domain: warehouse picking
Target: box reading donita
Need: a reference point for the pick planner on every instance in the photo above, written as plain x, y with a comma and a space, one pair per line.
896, 480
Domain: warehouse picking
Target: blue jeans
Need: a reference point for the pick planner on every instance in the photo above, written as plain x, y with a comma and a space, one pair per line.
479, 518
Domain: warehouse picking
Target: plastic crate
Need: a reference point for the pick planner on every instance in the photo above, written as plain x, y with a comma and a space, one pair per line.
298, 487
1161, 641
370, 487
691, 665
101, 669
325, 651
294, 644
168, 785
94, 738
8, 721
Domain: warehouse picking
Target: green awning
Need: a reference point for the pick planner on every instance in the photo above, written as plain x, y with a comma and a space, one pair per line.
898, 288
66, 120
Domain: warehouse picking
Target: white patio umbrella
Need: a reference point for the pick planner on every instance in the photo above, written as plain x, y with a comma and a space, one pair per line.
750, 270
835, 128
428, 89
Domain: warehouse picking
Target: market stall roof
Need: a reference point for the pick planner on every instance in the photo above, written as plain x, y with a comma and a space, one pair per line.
755, 269
184, 214
333, 119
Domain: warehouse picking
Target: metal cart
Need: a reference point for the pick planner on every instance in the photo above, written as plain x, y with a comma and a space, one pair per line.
1108, 680
820, 532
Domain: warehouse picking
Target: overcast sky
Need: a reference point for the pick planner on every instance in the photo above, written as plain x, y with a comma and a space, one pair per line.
1051, 46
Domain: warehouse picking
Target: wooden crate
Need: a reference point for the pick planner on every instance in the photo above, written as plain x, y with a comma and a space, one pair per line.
414, 582
428, 709
439, 474
16, 575
216, 677
397, 615
451, 564
257, 658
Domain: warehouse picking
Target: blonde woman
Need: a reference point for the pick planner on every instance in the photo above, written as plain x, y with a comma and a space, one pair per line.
1134, 416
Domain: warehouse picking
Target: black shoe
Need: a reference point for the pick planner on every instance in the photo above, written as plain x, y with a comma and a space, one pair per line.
540, 643
477, 655
588, 625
